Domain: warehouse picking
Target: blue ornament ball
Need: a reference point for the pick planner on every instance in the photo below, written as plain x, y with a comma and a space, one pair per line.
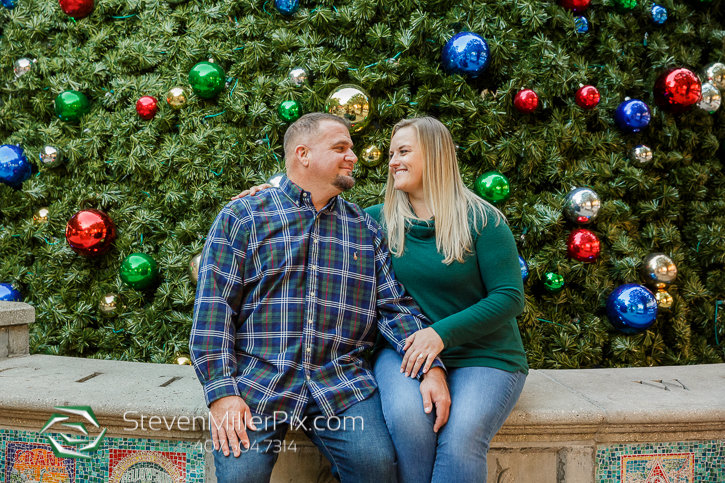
631, 308
658, 14
14, 166
9, 294
287, 7
9, 4
466, 54
582, 24
632, 116
524, 268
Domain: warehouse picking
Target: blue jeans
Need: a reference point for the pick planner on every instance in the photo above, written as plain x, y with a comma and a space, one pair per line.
481, 400
356, 442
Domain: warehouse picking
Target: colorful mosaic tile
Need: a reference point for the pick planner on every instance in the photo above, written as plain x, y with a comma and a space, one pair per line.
25, 457
684, 462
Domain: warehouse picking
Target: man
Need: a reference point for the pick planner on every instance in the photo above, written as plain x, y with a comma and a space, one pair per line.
294, 284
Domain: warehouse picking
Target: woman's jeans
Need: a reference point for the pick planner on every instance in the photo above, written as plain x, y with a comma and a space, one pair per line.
481, 400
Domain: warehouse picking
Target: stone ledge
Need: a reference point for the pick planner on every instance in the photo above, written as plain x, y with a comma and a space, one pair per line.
16, 313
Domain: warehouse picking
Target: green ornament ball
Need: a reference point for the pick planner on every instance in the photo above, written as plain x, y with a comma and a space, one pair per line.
139, 271
207, 79
553, 282
70, 106
289, 111
493, 187
624, 5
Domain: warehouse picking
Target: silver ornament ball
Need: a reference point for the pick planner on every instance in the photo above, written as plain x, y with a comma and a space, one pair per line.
50, 157
298, 76
658, 270
582, 205
641, 154
275, 179
22, 66
714, 74
109, 305
710, 99
194, 268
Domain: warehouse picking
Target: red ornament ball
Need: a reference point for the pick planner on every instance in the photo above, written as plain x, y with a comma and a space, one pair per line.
147, 107
575, 5
77, 8
677, 89
583, 245
90, 232
526, 101
587, 97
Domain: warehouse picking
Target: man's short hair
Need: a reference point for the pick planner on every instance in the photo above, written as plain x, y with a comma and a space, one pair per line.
305, 128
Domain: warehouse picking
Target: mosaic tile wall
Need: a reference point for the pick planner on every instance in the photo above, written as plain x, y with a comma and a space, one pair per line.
686, 462
26, 457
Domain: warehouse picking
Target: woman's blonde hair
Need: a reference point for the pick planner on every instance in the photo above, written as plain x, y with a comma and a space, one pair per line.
453, 206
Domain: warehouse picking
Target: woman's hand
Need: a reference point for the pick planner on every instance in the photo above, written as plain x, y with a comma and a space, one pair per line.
252, 191
421, 347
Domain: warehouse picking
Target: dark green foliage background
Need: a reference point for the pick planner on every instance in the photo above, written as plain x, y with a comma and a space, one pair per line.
163, 181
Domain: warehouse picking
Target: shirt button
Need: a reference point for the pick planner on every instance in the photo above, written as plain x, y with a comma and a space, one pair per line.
308, 378
309, 321
309, 350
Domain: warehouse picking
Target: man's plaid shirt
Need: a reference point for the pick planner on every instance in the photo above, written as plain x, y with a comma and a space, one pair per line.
289, 298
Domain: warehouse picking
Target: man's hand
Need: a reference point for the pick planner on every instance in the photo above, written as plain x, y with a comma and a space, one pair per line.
434, 390
421, 347
232, 416
252, 191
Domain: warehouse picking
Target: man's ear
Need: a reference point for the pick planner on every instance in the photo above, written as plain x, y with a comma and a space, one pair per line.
302, 153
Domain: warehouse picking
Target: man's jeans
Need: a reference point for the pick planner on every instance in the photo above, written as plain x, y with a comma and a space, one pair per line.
356, 442
481, 400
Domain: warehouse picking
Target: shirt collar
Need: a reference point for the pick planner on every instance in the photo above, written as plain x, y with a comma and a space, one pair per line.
301, 197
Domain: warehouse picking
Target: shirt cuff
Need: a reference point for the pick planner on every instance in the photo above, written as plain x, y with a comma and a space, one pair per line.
220, 388
436, 363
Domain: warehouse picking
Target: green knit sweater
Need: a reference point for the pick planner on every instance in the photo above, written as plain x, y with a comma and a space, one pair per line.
473, 305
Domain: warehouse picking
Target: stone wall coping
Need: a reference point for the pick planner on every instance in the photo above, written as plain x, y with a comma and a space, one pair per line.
578, 404
16, 313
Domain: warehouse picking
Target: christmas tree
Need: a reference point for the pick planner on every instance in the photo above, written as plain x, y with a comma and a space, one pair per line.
162, 181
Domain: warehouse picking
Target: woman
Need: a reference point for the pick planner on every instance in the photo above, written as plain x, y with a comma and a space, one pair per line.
455, 255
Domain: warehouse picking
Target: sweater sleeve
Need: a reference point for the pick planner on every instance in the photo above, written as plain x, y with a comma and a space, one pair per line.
501, 275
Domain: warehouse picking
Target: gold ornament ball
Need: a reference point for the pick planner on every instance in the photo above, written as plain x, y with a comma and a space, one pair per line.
176, 98
109, 305
194, 268
658, 270
664, 300
371, 156
183, 361
41, 216
351, 102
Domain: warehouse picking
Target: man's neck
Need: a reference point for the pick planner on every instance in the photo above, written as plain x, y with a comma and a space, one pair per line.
320, 195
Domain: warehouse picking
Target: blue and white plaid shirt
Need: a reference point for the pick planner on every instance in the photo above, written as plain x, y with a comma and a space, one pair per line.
288, 298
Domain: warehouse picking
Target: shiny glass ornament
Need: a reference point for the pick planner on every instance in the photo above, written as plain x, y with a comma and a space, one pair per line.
658, 14
371, 156
526, 101
493, 187
194, 264
582, 205
466, 54
524, 268
658, 270
77, 8
575, 5
287, 7
41, 216
710, 99
641, 154
298, 76
351, 102
275, 179
22, 66
147, 107
714, 73
70, 106
176, 98
14, 166
9, 4
624, 6
587, 97
631, 308
183, 361
553, 282
582, 24
583, 245
51, 157
109, 305
207, 79
664, 300
90, 232
632, 116
677, 89
9, 294
289, 111
139, 271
